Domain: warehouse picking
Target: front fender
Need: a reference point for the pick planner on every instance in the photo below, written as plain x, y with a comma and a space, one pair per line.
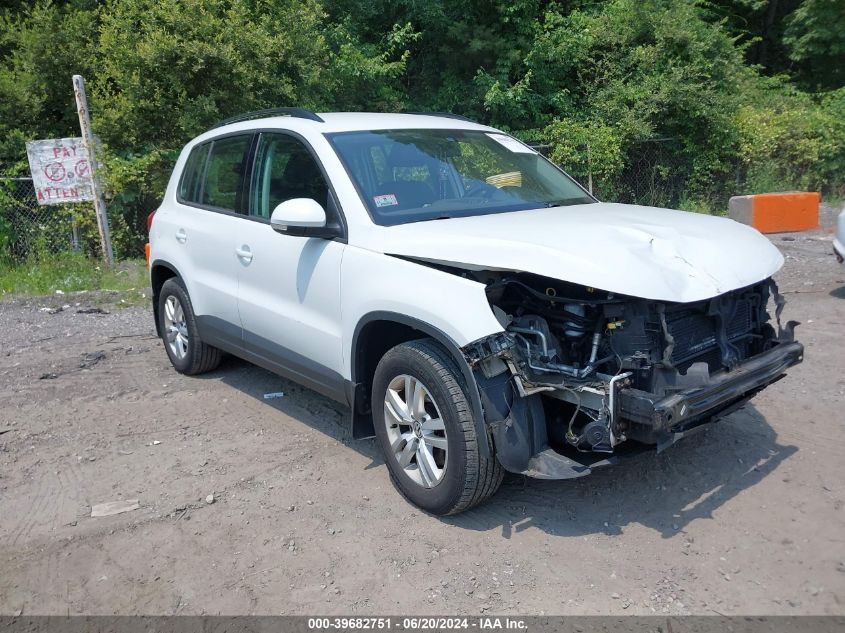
448, 308
374, 282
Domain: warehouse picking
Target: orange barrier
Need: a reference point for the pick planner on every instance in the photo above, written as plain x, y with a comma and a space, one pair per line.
777, 212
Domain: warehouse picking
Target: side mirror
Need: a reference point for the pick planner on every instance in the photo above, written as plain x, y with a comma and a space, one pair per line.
292, 216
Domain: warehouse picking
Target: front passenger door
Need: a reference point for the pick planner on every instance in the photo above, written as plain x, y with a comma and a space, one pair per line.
289, 286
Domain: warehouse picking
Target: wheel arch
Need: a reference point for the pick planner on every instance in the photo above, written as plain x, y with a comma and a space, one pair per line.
160, 271
376, 333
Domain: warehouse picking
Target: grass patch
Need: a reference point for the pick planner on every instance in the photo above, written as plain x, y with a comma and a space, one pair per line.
70, 272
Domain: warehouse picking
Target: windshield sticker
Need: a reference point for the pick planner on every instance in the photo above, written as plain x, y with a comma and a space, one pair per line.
511, 143
386, 200
510, 179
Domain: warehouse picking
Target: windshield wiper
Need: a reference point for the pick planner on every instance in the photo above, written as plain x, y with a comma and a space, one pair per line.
566, 203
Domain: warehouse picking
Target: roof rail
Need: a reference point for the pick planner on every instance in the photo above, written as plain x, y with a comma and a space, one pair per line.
299, 113
445, 115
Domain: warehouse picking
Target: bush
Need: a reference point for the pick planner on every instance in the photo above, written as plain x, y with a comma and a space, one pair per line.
610, 76
790, 141
159, 73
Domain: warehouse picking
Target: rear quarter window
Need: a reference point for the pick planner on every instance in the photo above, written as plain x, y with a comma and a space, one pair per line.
190, 189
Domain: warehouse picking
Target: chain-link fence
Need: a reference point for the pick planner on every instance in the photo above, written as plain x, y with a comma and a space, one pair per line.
27, 228
658, 173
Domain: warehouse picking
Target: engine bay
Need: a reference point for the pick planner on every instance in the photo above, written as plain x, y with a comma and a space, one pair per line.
579, 347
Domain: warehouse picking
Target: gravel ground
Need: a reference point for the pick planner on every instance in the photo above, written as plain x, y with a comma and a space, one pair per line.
744, 518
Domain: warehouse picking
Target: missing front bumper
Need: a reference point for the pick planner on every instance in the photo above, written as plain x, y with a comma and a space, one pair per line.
520, 433
660, 420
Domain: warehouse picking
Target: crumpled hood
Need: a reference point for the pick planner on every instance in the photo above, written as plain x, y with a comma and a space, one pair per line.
638, 251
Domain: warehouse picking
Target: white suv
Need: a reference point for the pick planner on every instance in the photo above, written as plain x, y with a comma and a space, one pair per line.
476, 309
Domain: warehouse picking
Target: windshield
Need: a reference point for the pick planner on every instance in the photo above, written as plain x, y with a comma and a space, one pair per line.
413, 175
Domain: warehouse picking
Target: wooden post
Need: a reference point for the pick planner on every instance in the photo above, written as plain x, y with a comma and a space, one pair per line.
88, 140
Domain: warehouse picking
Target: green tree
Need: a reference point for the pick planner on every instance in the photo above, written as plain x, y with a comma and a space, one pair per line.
159, 73
625, 71
41, 47
454, 40
791, 140
593, 80
168, 71
815, 36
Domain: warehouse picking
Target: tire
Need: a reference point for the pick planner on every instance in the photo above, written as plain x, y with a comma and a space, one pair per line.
198, 357
460, 477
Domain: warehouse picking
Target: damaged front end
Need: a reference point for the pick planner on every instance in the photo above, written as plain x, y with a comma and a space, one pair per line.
577, 372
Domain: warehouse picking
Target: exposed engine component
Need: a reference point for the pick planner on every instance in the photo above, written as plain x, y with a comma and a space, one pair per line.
595, 436
578, 343
576, 327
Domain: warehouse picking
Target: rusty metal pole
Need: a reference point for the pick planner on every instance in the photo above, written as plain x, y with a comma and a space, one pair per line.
88, 140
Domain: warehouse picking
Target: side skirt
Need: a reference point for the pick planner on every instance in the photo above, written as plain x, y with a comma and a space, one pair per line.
273, 357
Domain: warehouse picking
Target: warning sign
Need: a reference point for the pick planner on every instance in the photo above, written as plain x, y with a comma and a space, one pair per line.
60, 170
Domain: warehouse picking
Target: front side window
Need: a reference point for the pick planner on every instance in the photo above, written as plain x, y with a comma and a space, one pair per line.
284, 169
223, 175
414, 175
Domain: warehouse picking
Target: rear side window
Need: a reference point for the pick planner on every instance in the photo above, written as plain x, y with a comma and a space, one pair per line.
190, 189
224, 175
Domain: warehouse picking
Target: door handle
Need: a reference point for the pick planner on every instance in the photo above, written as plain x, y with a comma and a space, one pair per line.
181, 236
244, 254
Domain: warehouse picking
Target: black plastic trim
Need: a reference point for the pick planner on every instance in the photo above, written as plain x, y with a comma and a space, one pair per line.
271, 356
445, 115
164, 264
680, 410
299, 113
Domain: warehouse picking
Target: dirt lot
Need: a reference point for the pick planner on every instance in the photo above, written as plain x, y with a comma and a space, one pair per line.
746, 517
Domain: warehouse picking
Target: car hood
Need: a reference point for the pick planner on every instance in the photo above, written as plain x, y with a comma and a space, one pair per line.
633, 250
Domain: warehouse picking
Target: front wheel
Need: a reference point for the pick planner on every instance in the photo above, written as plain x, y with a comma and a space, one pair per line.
424, 423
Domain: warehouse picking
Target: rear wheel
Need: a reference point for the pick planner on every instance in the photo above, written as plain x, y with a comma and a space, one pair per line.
425, 426
187, 352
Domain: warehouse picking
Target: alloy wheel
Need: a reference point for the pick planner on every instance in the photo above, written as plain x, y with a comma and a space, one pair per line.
176, 327
415, 430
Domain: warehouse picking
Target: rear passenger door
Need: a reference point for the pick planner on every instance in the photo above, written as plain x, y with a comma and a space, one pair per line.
211, 210
289, 286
